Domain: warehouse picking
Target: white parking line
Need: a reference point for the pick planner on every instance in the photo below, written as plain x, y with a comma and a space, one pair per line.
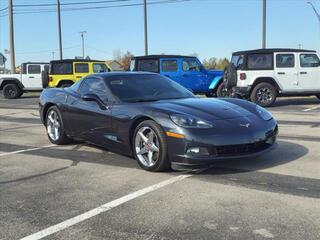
25, 150
310, 109
103, 208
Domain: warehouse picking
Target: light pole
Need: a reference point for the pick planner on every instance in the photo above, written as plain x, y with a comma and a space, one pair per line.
82, 39
145, 28
59, 29
264, 24
315, 11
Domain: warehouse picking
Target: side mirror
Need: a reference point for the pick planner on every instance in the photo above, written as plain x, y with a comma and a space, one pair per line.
90, 97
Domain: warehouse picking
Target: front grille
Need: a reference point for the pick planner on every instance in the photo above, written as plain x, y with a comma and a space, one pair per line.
243, 149
240, 149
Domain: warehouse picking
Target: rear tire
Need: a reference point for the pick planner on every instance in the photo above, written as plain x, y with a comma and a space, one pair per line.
222, 90
55, 127
264, 94
211, 94
148, 137
11, 91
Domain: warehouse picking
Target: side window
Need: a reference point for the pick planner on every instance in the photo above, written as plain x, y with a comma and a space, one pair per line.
99, 68
191, 65
148, 65
95, 86
260, 61
34, 69
81, 67
285, 60
309, 60
61, 68
169, 66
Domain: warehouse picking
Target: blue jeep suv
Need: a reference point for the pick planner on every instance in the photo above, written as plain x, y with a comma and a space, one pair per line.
185, 70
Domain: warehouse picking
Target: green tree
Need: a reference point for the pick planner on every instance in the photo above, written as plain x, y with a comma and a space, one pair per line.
123, 58
216, 63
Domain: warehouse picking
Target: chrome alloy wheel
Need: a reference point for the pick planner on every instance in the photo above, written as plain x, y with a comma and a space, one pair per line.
147, 146
264, 95
53, 125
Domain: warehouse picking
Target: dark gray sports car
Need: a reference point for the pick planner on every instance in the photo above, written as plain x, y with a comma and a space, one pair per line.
156, 120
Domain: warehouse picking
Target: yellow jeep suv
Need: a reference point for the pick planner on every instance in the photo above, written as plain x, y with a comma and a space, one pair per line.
63, 73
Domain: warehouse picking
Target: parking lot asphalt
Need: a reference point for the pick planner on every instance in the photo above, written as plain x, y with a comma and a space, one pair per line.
79, 191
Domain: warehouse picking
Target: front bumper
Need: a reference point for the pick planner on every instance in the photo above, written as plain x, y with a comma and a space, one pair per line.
232, 145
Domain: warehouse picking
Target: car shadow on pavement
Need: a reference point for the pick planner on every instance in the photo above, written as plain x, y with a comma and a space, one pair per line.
285, 152
280, 102
76, 154
253, 173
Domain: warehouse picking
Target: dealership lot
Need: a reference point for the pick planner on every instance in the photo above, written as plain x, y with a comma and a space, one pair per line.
275, 196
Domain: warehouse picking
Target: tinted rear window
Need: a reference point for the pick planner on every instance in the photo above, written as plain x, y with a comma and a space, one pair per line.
61, 68
237, 60
148, 65
81, 67
260, 61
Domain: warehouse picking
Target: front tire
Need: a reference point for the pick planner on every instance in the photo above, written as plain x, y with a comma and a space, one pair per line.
11, 91
264, 94
222, 91
150, 147
55, 127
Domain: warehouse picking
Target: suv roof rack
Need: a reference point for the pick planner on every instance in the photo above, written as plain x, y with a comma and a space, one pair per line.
272, 50
75, 60
162, 56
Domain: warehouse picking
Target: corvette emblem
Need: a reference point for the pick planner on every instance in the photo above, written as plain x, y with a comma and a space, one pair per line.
247, 125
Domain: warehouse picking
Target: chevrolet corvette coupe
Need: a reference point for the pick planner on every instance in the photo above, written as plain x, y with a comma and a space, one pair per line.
156, 120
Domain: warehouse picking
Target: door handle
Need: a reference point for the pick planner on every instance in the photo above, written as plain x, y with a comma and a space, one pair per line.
184, 75
31, 77
281, 73
78, 77
303, 72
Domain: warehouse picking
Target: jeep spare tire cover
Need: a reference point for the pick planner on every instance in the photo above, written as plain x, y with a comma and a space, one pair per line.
45, 79
230, 76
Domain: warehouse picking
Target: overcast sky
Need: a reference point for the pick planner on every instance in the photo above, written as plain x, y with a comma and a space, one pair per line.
206, 27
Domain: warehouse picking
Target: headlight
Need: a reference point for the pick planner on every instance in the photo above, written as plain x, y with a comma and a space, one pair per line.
187, 121
264, 114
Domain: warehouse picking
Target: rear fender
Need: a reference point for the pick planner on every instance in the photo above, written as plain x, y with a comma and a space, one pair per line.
215, 82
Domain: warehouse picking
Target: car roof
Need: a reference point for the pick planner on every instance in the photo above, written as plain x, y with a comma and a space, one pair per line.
35, 63
74, 60
271, 50
161, 56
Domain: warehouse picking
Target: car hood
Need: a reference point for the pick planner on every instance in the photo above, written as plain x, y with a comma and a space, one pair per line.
207, 109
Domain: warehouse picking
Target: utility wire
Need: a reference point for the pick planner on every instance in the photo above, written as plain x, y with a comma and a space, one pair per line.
99, 7
71, 3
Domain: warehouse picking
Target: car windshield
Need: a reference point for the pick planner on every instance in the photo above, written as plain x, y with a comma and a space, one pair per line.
146, 87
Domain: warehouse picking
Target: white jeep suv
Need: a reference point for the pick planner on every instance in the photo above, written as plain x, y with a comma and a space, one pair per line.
264, 74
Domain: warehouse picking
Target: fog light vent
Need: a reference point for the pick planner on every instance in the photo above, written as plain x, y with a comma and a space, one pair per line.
198, 151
